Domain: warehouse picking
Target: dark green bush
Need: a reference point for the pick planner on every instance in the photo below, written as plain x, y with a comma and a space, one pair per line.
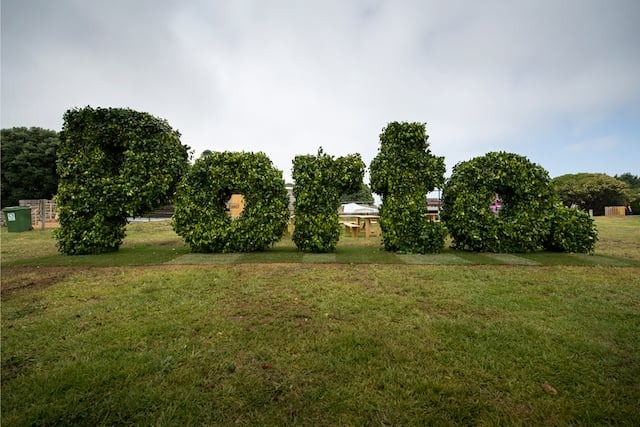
572, 230
320, 180
28, 164
113, 163
529, 215
526, 193
402, 173
201, 218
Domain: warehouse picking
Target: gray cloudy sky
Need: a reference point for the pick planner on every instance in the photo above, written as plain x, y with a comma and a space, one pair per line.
555, 80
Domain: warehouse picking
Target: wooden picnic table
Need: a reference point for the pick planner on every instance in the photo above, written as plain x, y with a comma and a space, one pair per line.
361, 222
368, 220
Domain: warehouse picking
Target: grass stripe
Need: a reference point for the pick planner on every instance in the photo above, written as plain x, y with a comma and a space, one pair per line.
512, 259
206, 259
447, 259
602, 260
318, 258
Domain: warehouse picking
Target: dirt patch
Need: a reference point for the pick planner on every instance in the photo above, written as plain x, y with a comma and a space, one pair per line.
19, 278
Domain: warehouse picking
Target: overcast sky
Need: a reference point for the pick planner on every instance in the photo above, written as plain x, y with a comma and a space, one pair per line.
555, 80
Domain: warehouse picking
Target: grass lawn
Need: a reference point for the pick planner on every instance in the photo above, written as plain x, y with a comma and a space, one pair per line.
156, 335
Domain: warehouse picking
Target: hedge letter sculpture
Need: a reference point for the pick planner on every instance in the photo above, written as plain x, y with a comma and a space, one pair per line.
501, 202
319, 182
201, 217
402, 173
113, 163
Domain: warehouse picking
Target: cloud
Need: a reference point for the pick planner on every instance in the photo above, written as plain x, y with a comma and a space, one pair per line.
597, 145
286, 77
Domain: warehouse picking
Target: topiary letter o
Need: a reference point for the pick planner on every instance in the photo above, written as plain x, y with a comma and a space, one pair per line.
402, 173
200, 215
113, 163
528, 198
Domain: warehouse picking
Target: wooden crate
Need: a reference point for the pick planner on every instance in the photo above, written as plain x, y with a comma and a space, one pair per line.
235, 205
615, 211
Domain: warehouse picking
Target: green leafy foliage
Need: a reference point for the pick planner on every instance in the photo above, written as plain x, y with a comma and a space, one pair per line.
402, 173
201, 218
522, 224
113, 163
633, 181
364, 195
629, 178
572, 230
592, 191
529, 218
319, 182
28, 164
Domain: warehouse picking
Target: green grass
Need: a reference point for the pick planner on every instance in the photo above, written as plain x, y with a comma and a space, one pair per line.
157, 335
155, 243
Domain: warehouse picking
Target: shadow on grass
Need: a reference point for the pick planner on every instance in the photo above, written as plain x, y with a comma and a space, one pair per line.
157, 244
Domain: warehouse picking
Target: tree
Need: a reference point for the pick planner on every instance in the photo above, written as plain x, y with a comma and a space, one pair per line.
634, 190
403, 173
363, 195
28, 164
591, 191
632, 180
113, 163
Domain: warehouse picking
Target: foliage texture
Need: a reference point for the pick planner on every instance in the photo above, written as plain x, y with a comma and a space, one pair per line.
402, 173
572, 230
364, 196
201, 217
113, 163
28, 164
319, 181
633, 181
592, 191
530, 217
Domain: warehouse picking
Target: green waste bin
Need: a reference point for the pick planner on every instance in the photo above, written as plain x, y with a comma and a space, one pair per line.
17, 218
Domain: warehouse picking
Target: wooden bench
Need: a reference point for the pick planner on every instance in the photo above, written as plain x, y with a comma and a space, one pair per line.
351, 227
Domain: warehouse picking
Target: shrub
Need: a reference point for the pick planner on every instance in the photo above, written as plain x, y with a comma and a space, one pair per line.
531, 216
572, 230
521, 225
320, 180
402, 173
113, 163
201, 218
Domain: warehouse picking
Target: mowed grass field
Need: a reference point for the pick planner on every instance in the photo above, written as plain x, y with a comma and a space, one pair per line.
155, 335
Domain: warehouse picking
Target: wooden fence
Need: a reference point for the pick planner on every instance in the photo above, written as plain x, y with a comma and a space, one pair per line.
43, 212
615, 211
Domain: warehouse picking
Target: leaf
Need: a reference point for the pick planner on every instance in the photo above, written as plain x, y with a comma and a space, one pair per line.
548, 389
